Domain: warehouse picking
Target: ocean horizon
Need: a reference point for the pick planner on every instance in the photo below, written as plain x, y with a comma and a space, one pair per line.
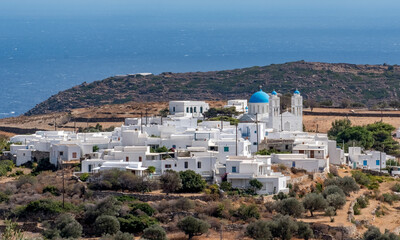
49, 46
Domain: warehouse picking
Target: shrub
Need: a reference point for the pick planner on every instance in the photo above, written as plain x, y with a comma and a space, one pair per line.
280, 196
330, 212
361, 178
304, 230
289, 206
105, 224
65, 226
225, 186
390, 198
192, 226
331, 190
26, 179
19, 173
3, 197
259, 230
362, 201
347, 184
396, 188
84, 177
43, 208
246, 212
336, 200
118, 236
144, 207
155, 232
191, 182
135, 224
43, 165
51, 189
184, 204
314, 202
283, 227
255, 185
170, 181
107, 206
356, 209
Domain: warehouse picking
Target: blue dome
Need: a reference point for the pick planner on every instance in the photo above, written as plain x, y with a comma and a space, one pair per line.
259, 97
274, 93
296, 92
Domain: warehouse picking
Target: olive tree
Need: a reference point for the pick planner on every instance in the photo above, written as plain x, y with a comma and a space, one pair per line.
193, 226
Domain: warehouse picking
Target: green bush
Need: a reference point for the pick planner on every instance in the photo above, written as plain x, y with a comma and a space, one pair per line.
144, 207
331, 190
246, 212
192, 226
105, 224
135, 224
43, 208
396, 187
289, 206
24, 179
259, 230
184, 204
43, 165
51, 189
280, 196
107, 206
314, 202
118, 236
356, 209
3, 197
191, 182
361, 178
362, 201
84, 177
225, 186
154, 232
336, 200
65, 227
390, 198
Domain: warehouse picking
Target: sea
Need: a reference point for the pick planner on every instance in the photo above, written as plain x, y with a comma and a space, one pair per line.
47, 46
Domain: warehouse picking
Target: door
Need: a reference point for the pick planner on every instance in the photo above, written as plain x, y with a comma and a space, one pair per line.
311, 154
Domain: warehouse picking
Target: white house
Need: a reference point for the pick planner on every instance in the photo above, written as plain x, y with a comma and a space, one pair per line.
188, 108
65, 153
239, 104
240, 170
374, 160
301, 161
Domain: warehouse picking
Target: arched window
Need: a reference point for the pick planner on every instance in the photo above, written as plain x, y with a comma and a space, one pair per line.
191, 110
198, 164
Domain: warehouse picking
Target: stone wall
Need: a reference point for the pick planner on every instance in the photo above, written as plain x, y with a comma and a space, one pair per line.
147, 197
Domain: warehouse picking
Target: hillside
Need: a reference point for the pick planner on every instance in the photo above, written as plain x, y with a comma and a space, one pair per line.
367, 84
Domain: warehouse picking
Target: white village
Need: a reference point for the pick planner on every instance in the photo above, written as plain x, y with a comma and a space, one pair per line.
216, 150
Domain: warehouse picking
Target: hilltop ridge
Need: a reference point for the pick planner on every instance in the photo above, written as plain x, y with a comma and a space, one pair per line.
366, 84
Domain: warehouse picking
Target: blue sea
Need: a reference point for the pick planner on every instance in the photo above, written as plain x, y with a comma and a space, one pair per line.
47, 46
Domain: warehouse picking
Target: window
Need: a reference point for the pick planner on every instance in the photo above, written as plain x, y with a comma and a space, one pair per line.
74, 155
191, 110
173, 109
254, 143
61, 153
201, 109
378, 162
90, 168
234, 169
293, 164
187, 109
186, 164
126, 159
23, 154
140, 159
286, 147
365, 163
226, 149
194, 109
198, 164
167, 165
255, 131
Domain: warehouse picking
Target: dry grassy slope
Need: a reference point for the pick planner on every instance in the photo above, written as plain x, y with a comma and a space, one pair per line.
368, 84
